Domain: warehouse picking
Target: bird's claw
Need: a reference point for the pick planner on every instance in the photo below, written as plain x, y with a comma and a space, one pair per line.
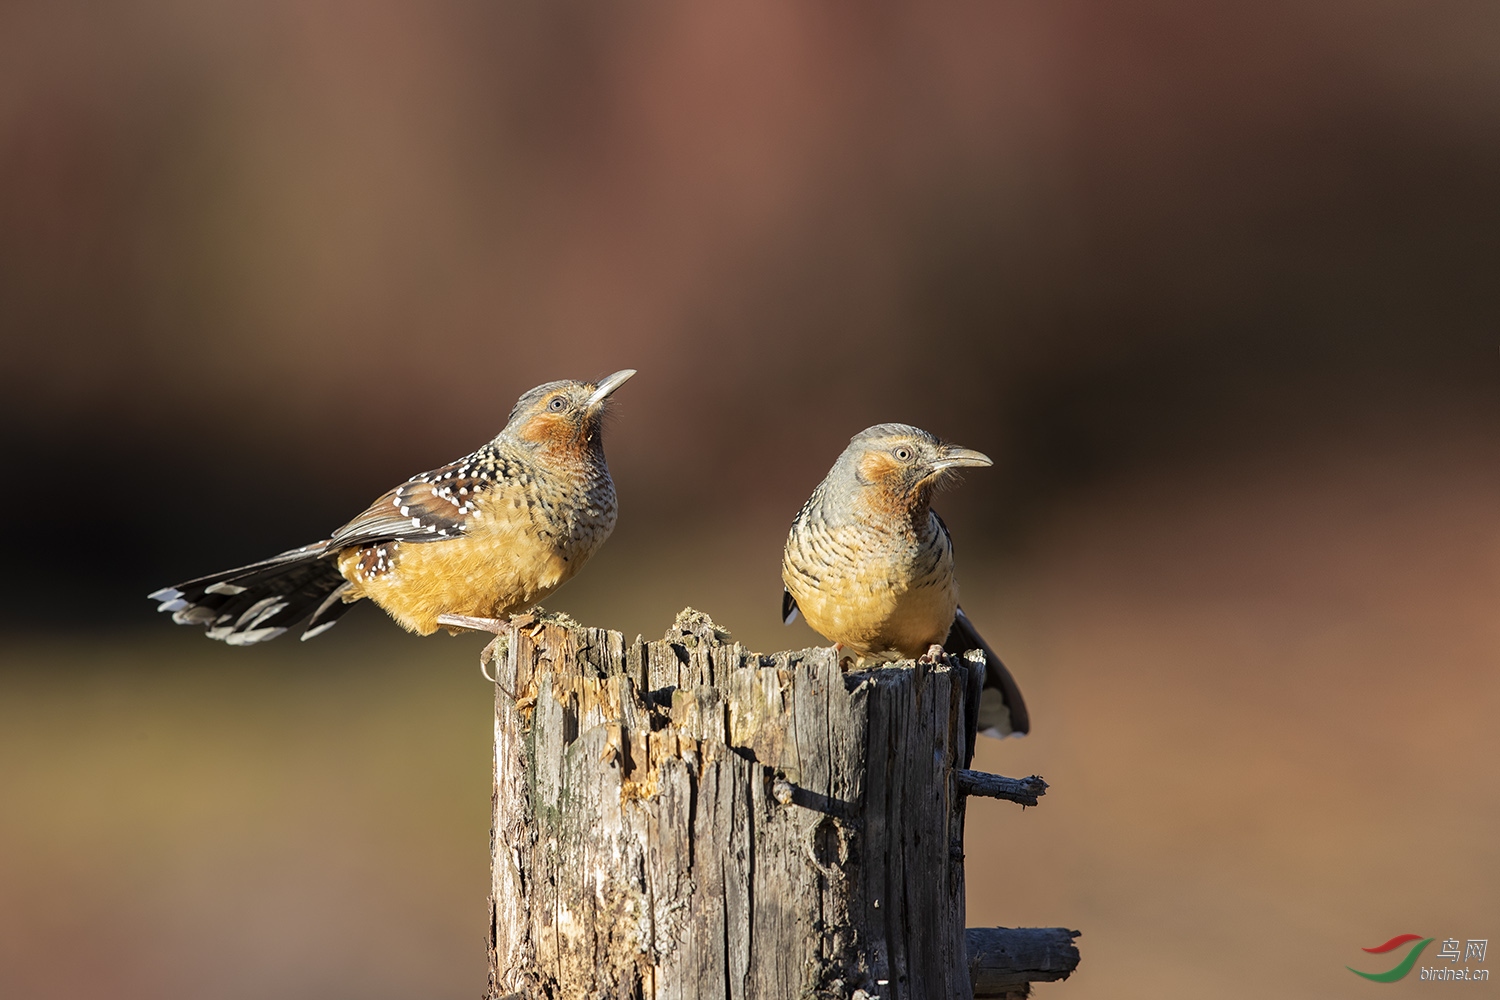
934, 654
490, 650
845, 659
476, 624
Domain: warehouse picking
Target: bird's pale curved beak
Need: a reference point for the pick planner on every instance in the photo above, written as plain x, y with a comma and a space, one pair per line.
606, 386
953, 457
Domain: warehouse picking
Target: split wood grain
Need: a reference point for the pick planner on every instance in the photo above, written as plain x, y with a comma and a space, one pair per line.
689, 820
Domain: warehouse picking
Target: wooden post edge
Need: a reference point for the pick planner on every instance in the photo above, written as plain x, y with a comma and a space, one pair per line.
684, 757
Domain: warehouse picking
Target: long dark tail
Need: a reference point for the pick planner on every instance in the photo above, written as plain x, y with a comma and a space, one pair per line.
1002, 710
259, 602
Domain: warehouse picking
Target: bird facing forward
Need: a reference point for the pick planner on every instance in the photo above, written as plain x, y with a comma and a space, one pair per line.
870, 565
465, 544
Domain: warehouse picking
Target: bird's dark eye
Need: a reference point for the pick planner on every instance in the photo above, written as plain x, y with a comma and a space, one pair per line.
556, 403
903, 454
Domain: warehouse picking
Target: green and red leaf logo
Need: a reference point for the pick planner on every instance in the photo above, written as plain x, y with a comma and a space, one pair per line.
1402, 967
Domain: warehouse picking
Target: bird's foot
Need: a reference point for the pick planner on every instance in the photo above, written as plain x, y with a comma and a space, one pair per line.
472, 623
934, 654
475, 624
491, 650
844, 659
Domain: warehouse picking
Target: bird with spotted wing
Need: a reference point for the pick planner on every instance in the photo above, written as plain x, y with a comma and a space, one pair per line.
869, 564
463, 545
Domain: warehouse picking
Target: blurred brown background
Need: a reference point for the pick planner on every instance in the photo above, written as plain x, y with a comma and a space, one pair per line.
1216, 287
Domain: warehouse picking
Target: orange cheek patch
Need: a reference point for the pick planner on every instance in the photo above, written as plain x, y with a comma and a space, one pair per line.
889, 493
548, 429
880, 468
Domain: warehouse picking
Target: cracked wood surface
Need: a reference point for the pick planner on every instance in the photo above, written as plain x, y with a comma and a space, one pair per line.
687, 819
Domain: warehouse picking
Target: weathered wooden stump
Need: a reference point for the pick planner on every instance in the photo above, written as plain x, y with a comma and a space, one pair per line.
688, 819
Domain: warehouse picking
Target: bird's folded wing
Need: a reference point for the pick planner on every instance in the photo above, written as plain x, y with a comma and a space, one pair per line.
427, 508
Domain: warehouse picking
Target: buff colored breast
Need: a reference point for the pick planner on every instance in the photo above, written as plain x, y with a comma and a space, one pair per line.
502, 564
878, 600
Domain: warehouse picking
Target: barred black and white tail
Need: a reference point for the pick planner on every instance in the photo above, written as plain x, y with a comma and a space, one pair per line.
261, 601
